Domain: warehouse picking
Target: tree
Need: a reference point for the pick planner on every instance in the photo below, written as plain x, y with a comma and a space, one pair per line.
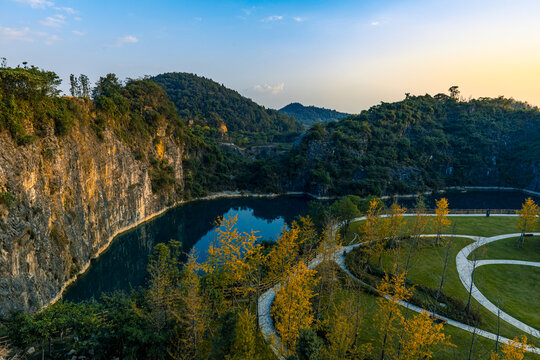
344, 210
191, 315
343, 328
309, 345
441, 219
374, 231
514, 350
162, 294
244, 343
418, 337
388, 317
454, 92
3, 63
84, 85
228, 257
528, 217
105, 85
292, 308
329, 245
393, 223
418, 227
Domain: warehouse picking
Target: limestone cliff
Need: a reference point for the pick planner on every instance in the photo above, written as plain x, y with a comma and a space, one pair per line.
63, 200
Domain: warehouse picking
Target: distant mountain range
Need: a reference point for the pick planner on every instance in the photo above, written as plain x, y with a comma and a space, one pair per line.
310, 115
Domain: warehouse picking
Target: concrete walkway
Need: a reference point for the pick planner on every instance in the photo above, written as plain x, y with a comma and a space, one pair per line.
464, 266
465, 269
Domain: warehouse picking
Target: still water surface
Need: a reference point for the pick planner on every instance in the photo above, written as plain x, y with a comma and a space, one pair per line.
123, 265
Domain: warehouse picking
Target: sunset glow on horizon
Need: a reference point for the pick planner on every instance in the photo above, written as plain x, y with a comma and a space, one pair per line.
346, 55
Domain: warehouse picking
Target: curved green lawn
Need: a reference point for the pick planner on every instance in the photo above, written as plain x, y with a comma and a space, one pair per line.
516, 286
506, 249
464, 225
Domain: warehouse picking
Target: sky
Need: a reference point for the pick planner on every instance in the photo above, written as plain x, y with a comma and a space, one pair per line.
344, 55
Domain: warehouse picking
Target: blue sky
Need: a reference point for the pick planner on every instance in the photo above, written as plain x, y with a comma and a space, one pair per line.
346, 55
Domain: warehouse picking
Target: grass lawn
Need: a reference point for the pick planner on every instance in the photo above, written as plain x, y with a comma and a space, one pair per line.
506, 249
482, 347
516, 286
464, 225
426, 268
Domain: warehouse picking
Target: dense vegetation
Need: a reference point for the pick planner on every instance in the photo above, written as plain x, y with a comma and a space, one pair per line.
207, 103
311, 115
208, 310
422, 142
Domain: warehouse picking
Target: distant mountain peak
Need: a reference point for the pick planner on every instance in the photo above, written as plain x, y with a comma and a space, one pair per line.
310, 115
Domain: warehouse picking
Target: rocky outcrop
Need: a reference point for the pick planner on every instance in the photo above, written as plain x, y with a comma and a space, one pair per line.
62, 199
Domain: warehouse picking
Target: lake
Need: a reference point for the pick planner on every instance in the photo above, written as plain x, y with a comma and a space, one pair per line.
123, 265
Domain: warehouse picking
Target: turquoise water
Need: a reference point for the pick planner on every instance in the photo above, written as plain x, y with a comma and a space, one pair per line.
123, 265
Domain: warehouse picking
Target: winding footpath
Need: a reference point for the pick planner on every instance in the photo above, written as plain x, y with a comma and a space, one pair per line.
465, 269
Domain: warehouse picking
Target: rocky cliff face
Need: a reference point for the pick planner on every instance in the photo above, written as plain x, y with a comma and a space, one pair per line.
63, 199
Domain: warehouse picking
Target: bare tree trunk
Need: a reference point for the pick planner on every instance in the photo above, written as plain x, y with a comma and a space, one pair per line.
444, 269
472, 344
498, 325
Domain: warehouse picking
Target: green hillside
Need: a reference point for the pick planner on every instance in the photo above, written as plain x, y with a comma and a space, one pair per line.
310, 115
422, 142
204, 102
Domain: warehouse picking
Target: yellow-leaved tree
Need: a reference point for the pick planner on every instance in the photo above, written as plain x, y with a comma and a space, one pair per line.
374, 230
292, 309
389, 317
342, 329
418, 227
394, 225
192, 315
528, 217
230, 264
441, 219
283, 254
514, 350
418, 337
244, 342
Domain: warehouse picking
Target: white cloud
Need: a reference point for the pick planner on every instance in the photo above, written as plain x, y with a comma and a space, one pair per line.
77, 18
68, 10
8, 34
273, 89
248, 11
54, 21
299, 19
128, 39
273, 18
36, 3
26, 35
78, 33
52, 39
374, 23
198, 19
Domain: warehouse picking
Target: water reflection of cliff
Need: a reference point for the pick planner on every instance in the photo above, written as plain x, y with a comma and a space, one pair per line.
123, 265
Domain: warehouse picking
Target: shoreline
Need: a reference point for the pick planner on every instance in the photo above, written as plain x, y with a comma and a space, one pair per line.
241, 194
213, 196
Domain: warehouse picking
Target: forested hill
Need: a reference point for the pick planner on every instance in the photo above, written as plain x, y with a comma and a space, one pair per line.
309, 115
207, 103
422, 142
